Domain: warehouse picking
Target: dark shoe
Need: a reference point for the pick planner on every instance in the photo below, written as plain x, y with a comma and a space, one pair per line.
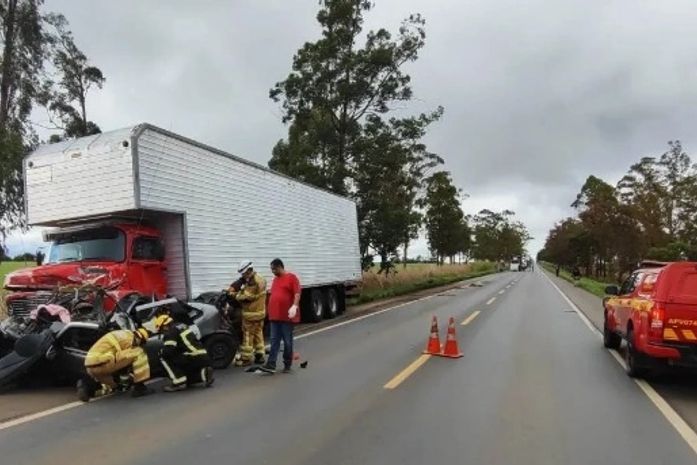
268, 369
83, 391
286, 369
175, 387
140, 390
208, 377
259, 359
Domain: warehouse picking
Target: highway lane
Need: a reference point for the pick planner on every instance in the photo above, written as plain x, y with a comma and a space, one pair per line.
533, 387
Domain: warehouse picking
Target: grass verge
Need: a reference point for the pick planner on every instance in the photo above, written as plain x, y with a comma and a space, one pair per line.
591, 285
415, 278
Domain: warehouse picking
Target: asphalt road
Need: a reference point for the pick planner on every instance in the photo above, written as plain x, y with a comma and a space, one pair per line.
534, 387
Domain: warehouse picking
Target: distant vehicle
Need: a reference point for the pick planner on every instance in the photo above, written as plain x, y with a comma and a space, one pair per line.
167, 216
515, 264
655, 312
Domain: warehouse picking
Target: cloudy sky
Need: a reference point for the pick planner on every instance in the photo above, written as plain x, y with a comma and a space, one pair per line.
537, 94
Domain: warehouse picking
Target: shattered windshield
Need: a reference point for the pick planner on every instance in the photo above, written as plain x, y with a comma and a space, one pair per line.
107, 244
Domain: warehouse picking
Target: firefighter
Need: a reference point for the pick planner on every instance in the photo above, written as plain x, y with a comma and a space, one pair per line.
252, 297
183, 356
115, 352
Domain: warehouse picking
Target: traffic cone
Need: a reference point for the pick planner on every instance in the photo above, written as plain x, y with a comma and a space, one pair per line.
433, 346
451, 350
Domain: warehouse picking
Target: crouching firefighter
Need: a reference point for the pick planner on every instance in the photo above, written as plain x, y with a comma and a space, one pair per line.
183, 356
117, 353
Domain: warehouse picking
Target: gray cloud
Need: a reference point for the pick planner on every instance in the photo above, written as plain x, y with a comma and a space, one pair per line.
538, 94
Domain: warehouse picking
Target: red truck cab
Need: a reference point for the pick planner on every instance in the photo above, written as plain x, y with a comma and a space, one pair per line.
122, 256
655, 311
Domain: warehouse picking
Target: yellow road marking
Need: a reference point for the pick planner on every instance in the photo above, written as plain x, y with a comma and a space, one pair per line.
491, 301
470, 318
407, 372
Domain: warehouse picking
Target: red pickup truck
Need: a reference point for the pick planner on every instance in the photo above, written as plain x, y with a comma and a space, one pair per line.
655, 311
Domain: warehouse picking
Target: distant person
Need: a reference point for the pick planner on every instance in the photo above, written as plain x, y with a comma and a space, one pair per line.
284, 312
557, 270
576, 273
252, 297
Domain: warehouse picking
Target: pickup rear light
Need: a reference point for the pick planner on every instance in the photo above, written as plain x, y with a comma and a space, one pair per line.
657, 316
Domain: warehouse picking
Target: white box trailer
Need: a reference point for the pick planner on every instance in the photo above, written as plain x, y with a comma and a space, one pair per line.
213, 209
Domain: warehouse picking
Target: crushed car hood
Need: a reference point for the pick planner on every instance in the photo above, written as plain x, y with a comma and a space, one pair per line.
62, 274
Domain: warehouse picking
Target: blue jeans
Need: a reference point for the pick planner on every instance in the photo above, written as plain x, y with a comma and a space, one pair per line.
281, 330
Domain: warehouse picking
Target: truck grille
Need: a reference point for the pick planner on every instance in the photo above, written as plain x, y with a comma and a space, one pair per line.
24, 305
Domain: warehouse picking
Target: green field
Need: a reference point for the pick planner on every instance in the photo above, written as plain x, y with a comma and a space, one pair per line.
416, 277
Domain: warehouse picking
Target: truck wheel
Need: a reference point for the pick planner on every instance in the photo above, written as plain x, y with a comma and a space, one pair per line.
634, 360
221, 350
315, 309
332, 301
611, 340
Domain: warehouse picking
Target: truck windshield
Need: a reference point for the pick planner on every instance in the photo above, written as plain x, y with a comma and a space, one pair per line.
107, 244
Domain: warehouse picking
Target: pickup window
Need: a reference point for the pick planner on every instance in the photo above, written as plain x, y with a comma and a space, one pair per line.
631, 283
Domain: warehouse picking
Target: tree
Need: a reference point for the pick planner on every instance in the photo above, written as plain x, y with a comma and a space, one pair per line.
24, 47
497, 237
76, 77
334, 85
444, 219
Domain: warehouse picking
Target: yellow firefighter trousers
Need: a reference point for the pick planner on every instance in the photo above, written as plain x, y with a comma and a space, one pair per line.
252, 339
135, 357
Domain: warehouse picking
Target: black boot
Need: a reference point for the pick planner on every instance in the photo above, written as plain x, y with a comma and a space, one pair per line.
83, 390
259, 359
140, 390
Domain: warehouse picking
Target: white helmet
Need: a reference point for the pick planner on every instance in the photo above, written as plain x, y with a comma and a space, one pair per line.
244, 265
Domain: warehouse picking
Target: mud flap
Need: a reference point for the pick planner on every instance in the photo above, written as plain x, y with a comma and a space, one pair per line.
29, 350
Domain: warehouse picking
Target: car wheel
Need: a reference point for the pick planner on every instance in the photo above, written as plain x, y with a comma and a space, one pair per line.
611, 340
633, 359
221, 350
332, 301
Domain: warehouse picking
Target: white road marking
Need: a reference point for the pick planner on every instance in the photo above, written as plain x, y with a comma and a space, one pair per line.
491, 301
470, 318
36, 416
501, 292
578, 311
668, 412
61, 408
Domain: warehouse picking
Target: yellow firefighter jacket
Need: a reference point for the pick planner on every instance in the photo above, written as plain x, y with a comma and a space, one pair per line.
253, 298
113, 345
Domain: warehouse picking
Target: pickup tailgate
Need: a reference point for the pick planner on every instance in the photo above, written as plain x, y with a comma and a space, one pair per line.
677, 294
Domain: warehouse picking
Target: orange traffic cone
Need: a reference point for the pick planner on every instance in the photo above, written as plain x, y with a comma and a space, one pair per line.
451, 350
433, 346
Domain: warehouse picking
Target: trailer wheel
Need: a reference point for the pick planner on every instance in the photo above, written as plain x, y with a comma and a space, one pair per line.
332, 309
314, 310
221, 350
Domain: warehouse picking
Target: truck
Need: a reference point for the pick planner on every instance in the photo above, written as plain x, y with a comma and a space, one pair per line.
655, 312
515, 264
151, 212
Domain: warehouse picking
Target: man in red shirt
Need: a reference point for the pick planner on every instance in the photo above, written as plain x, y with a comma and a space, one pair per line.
283, 310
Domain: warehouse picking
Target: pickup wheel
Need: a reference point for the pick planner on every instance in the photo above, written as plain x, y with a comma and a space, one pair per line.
636, 367
611, 340
221, 350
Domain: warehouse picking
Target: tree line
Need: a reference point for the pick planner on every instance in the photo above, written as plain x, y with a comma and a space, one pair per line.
343, 102
41, 68
651, 213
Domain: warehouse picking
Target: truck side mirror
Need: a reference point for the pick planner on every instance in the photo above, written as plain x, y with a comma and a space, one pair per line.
612, 290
